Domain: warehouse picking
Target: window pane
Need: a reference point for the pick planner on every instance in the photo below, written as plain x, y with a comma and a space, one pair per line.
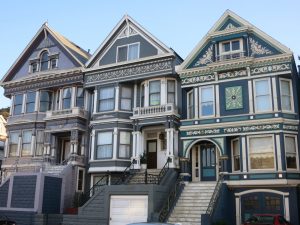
262, 87
30, 102
45, 96
67, 93
124, 151
286, 95
80, 97
190, 105
171, 91
286, 103
53, 63
67, 98
104, 151
125, 137
171, 97
154, 86
18, 99
235, 45
18, 102
122, 54
290, 151
261, 153
263, 103
34, 67
236, 155
207, 94
126, 92
44, 61
14, 137
106, 105
207, 109
133, 51
285, 87
154, 99
26, 143
226, 47
108, 92
126, 104
171, 85
104, 138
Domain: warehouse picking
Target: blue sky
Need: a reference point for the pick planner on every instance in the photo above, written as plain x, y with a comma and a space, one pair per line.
179, 24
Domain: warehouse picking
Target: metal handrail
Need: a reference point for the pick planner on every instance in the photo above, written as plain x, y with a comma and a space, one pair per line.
171, 200
164, 170
125, 174
215, 196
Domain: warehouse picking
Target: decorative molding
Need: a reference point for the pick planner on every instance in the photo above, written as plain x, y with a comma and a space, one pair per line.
132, 70
126, 32
232, 74
271, 68
198, 79
206, 58
234, 97
257, 49
229, 26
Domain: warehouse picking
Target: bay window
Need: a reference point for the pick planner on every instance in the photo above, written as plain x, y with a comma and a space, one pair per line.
30, 102
207, 101
104, 145
106, 99
67, 94
13, 143
154, 93
18, 104
126, 96
291, 152
80, 97
261, 152
171, 91
26, 143
45, 101
124, 147
262, 95
286, 95
235, 145
190, 105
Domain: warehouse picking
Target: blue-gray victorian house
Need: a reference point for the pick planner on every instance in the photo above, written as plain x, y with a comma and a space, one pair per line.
240, 120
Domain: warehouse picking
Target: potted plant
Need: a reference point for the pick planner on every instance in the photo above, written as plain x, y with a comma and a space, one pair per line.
143, 161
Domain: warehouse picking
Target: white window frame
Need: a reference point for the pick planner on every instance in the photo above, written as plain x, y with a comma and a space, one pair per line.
112, 99
36, 143
21, 149
248, 152
214, 101
97, 132
83, 179
167, 91
223, 53
9, 142
291, 92
127, 45
191, 92
26, 97
270, 95
297, 156
22, 105
161, 92
232, 155
130, 144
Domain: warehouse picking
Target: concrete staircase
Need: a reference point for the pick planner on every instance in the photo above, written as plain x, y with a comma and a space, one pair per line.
139, 177
192, 203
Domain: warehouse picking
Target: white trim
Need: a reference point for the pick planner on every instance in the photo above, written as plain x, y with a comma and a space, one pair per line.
249, 153
278, 148
270, 95
297, 154
261, 190
191, 92
108, 168
127, 52
200, 103
244, 154
230, 52
291, 95
250, 94
274, 92
232, 154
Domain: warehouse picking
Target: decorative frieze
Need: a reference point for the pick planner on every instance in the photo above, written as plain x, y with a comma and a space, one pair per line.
239, 129
257, 49
271, 69
206, 58
145, 68
199, 79
232, 74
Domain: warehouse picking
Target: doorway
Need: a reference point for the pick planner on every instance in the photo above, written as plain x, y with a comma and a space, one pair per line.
152, 154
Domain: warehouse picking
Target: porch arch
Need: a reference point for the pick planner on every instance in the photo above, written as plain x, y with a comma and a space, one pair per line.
188, 150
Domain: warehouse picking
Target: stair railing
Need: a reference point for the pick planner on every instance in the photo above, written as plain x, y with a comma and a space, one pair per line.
215, 196
95, 189
164, 170
171, 200
125, 174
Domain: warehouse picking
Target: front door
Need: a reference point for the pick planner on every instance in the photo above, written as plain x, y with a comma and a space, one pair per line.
152, 154
208, 162
65, 150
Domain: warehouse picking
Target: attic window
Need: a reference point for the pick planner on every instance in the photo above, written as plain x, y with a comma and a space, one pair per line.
34, 67
43, 62
128, 52
232, 49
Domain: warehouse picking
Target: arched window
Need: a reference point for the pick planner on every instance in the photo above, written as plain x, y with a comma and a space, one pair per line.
44, 61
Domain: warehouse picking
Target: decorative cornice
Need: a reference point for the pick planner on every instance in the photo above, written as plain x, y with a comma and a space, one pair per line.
131, 70
232, 74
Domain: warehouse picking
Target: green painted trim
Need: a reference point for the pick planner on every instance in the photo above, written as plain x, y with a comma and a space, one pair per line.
234, 177
264, 116
293, 176
233, 119
263, 176
289, 116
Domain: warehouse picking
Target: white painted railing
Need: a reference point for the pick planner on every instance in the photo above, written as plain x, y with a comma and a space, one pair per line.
155, 110
232, 55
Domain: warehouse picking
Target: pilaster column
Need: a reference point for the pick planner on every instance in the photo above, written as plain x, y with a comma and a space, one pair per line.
95, 100
117, 97
115, 143
33, 145
73, 97
244, 152
6, 147
146, 96
250, 92
12, 105
92, 157
196, 102
24, 103
134, 95
74, 141
275, 97
37, 97
19, 146
163, 92
60, 96
170, 145
86, 100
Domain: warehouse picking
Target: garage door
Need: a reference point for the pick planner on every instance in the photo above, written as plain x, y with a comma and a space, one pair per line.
128, 209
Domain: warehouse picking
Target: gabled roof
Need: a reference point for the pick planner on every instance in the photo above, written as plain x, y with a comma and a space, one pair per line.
78, 54
233, 22
127, 21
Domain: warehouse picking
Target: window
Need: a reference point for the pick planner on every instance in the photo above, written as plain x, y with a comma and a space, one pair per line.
154, 93
53, 63
26, 143
80, 97
171, 91
290, 152
80, 180
128, 52
261, 152
106, 99
67, 93
18, 104
30, 102
236, 154
126, 96
124, 147
44, 61
39, 143
262, 95
231, 49
207, 101
286, 95
190, 105
45, 101
272, 203
143, 95
104, 145
34, 67
13, 143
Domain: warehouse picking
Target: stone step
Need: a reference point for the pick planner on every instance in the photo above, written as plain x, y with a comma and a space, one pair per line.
201, 184
191, 212
185, 219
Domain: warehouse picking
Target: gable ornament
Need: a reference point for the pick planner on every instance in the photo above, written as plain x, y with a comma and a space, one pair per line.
257, 49
206, 58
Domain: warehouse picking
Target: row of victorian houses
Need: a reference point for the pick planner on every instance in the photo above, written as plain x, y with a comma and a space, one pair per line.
225, 121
